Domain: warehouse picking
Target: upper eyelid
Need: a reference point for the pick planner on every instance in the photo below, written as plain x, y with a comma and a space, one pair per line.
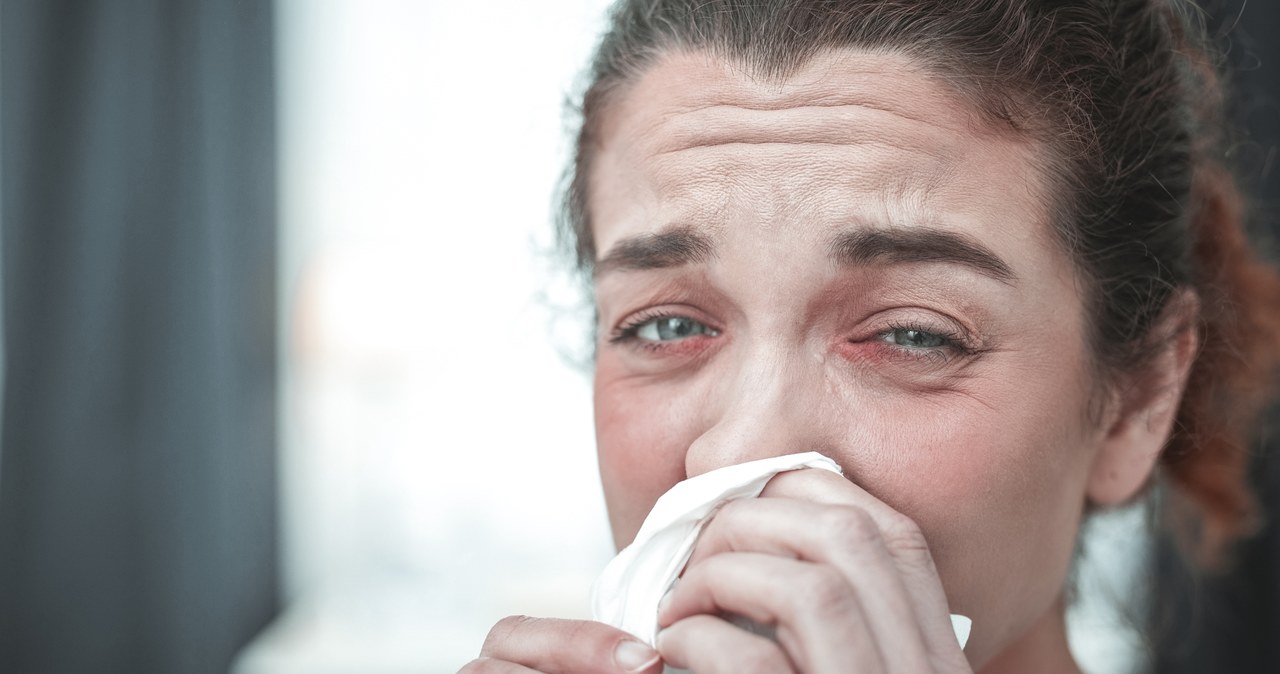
647, 315
628, 329
643, 321
936, 323
677, 310
629, 326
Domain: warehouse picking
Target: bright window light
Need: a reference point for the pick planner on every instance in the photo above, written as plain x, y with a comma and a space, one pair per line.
438, 467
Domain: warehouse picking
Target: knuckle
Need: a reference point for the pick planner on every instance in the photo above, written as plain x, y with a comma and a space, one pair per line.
825, 592
503, 631
848, 527
571, 645
692, 640
588, 636
904, 537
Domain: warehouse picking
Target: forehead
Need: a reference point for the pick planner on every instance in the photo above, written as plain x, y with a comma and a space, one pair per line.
683, 82
851, 137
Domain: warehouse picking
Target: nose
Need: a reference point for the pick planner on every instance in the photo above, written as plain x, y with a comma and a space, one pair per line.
770, 406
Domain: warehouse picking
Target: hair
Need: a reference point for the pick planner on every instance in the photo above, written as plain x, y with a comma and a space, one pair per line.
1125, 98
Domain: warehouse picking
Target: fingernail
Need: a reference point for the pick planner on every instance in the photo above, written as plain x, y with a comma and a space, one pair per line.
633, 656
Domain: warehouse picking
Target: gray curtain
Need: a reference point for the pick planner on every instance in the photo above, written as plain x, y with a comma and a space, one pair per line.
137, 453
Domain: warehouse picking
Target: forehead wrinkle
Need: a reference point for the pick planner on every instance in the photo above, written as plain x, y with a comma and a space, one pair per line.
716, 79
696, 174
718, 89
802, 125
706, 199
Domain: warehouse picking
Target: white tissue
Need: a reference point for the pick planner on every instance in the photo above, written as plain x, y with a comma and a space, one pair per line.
628, 591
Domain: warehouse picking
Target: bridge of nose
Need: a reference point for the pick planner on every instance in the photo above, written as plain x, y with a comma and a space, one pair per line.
768, 406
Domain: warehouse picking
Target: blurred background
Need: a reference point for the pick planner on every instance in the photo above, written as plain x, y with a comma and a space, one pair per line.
294, 382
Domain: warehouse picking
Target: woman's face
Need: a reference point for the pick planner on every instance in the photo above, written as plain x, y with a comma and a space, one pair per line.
851, 262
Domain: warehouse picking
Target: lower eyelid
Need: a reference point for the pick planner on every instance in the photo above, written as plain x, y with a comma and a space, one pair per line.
879, 350
690, 347
938, 355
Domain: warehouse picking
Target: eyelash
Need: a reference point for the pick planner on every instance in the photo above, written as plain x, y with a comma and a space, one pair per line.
627, 333
954, 344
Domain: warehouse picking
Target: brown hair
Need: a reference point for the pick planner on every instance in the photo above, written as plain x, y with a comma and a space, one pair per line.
1124, 95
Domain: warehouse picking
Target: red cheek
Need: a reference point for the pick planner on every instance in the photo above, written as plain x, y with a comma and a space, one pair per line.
641, 444
920, 452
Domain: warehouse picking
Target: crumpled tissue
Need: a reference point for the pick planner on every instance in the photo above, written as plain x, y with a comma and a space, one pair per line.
627, 593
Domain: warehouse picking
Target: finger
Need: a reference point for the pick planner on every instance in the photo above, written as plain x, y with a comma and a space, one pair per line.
491, 666
552, 645
843, 537
904, 541
820, 486
710, 645
820, 624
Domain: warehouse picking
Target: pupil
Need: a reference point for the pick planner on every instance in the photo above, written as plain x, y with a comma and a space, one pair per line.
920, 339
673, 328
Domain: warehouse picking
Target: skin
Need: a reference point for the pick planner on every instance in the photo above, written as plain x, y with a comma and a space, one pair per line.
954, 395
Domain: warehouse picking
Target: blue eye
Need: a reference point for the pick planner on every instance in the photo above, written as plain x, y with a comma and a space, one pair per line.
669, 329
916, 339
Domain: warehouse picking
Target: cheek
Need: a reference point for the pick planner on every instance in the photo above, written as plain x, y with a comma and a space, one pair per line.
976, 485
934, 459
998, 495
641, 439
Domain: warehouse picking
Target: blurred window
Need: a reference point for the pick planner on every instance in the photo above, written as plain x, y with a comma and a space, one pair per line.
438, 466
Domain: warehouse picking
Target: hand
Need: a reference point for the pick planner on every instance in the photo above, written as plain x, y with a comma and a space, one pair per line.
846, 581
519, 644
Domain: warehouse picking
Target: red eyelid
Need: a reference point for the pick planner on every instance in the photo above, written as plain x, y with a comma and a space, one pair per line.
865, 344
886, 357
912, 318
687, 348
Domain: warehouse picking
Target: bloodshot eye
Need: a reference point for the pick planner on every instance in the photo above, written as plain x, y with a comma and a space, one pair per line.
670, 328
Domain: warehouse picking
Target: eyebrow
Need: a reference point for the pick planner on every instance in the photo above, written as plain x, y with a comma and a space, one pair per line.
860, 247
906, 245
673, 248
